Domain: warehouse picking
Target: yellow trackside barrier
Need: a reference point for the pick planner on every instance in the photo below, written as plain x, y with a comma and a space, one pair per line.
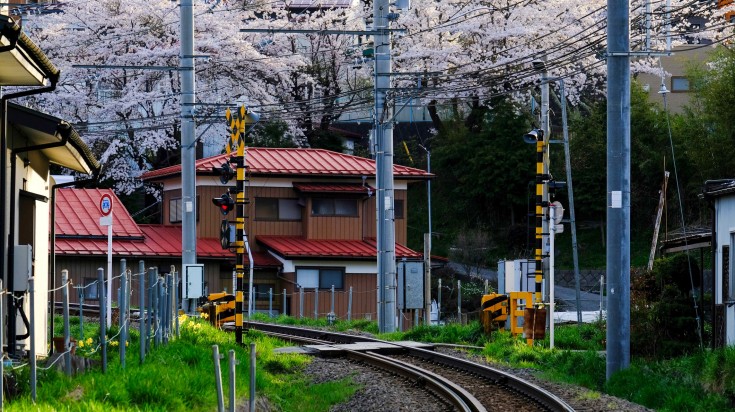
519, 301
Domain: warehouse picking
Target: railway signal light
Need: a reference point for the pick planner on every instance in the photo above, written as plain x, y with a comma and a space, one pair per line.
534, 136
225, 172
225, 203
225, 234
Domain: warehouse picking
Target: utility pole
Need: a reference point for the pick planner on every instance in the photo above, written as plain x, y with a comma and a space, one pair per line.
570, 196
188, 149
427, 245
618, 186
386, 236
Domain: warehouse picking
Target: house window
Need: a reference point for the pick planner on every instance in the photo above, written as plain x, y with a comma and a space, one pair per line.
271, 208
679, 84
176, 210
90, 291
333, 207
261, 290
322, 278
398, 208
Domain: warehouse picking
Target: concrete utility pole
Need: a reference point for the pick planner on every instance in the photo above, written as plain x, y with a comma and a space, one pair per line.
188, 149
386, 236
618, 186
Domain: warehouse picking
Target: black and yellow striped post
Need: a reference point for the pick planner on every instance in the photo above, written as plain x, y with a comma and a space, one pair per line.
539, 215
536, 136
237, 142
237, 138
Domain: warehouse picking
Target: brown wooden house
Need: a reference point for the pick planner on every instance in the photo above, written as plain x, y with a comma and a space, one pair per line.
311, 210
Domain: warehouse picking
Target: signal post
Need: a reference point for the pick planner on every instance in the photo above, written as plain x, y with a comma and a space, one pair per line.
236, 125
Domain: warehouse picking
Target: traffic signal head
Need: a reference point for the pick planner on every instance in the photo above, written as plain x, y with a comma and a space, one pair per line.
225, 172
225, 203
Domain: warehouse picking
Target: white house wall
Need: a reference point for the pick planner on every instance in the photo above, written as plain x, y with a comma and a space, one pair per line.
351, 266
33, 179
725, 221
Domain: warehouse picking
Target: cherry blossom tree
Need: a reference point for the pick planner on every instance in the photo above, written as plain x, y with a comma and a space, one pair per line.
469, 50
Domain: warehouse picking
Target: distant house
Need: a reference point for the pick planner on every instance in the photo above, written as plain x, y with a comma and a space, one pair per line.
721, 195
30, 142
311, 210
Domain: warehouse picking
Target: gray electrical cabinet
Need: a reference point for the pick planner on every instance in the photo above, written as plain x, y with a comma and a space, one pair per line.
410, 285
193, 281
22, 267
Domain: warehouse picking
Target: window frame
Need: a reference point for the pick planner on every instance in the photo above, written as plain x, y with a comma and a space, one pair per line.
278, 201
180, 209
397, 209
261, 295
90, 284
333, 201
340, 269
678, 89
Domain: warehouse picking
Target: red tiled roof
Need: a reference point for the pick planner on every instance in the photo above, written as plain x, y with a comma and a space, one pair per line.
333, 187
294, 162
160, 241
79, 233
77, 213
291, 247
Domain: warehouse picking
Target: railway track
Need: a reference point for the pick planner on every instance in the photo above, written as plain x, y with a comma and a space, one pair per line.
461, 384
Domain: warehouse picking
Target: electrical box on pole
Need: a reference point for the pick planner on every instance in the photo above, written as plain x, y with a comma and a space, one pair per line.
193, 281
410, 285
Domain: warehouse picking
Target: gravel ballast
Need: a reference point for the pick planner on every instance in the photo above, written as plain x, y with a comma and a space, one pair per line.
382, 392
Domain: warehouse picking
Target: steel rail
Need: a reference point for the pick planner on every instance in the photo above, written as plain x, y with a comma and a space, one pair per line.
540, 395
455, 395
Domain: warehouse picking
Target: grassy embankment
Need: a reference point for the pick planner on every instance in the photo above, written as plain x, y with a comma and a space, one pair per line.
180, 375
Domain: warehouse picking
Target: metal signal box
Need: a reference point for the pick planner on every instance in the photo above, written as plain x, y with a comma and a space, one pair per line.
410, 285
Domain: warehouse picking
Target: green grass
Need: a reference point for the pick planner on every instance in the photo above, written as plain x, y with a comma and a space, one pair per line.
701, 382
179, 376
698, 382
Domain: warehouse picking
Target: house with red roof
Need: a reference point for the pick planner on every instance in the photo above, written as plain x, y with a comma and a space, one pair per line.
30, 143
312, 212
81, 245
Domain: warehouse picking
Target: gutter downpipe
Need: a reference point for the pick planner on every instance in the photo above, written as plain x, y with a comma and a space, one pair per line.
64, 130
4, 241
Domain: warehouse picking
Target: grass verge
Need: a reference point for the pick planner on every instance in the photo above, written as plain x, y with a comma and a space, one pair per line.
179, 376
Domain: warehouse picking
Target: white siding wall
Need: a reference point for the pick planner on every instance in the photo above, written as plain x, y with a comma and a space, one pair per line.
725, 220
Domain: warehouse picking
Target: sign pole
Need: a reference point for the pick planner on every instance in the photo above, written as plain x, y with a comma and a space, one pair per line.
106, 220
109, 271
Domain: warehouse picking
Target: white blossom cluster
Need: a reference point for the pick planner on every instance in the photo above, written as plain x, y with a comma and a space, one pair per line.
468, 49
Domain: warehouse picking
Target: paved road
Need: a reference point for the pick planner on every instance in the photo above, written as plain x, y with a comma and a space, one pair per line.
565, 297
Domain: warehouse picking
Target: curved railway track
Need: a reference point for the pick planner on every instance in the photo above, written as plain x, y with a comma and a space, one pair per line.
463, 385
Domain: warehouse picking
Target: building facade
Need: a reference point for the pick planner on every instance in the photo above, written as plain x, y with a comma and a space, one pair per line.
311, 210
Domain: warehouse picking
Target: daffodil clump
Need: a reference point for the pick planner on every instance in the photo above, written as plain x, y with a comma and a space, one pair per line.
197, 329
86, 347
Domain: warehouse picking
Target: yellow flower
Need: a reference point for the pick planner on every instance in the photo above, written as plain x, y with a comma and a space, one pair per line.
126, 343
205, 315
81, 343
89, 341
114, 343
